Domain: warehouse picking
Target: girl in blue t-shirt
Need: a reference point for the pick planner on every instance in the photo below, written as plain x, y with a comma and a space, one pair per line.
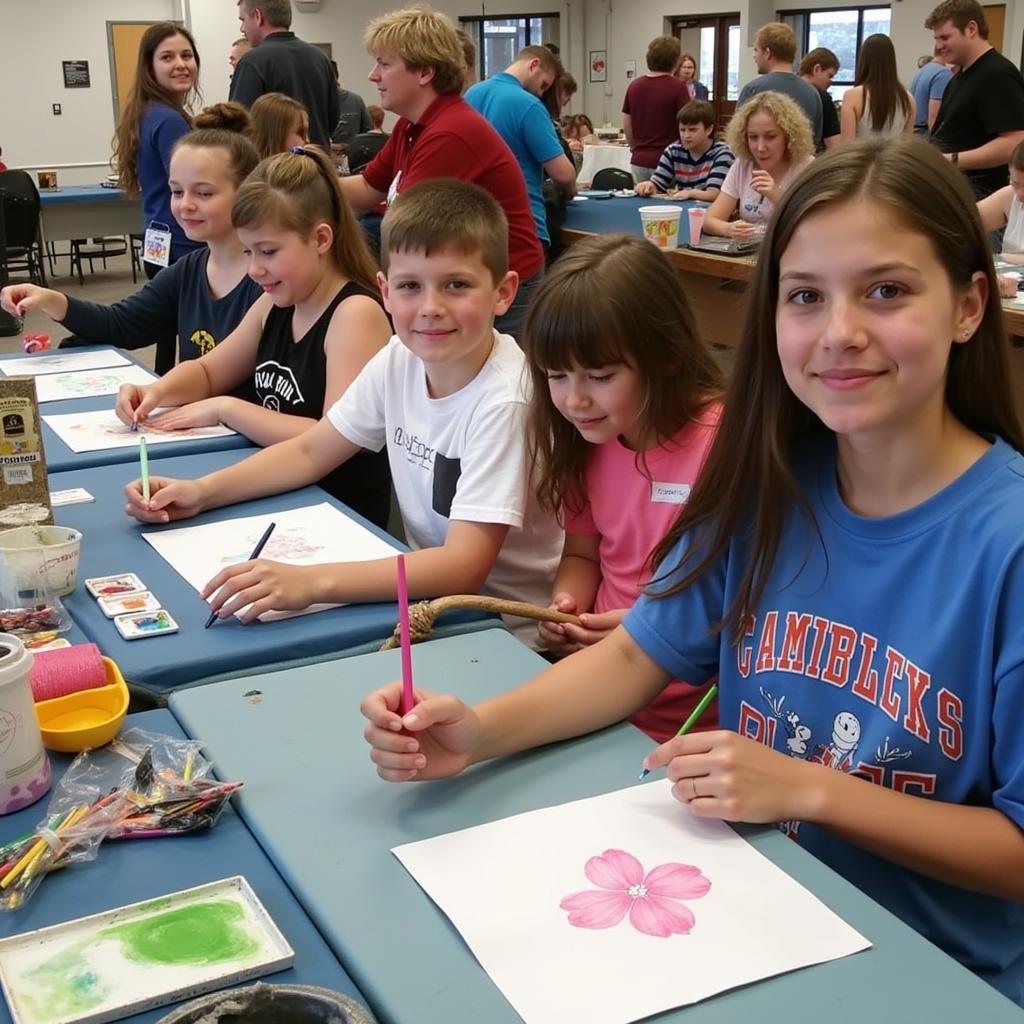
850, 564
155, 116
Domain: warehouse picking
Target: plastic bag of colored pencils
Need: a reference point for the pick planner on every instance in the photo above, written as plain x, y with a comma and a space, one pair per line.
176, 794
78, 818
141, 785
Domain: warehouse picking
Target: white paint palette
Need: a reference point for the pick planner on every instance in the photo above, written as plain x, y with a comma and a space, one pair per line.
134, 958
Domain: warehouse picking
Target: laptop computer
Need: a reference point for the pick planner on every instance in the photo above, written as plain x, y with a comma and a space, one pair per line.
726, 246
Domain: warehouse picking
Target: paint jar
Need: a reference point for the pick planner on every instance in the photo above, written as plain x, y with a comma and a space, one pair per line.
24, 766
272, 1004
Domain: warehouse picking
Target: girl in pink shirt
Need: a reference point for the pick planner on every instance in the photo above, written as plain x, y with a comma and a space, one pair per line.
625, 406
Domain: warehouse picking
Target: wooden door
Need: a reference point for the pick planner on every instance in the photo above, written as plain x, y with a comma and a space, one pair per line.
995, 15
714, 40
123, 39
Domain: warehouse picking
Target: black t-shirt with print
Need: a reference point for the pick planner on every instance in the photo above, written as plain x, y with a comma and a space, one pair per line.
981, 102
291, 377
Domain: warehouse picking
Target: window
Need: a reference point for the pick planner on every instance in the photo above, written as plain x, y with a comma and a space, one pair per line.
841, 30
498, 40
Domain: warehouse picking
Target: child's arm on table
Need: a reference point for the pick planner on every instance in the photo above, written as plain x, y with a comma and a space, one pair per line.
739, 779
459, 566
282, 467
595, 688
196, 380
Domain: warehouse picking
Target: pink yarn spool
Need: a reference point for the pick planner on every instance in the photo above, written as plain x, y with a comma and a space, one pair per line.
66, 670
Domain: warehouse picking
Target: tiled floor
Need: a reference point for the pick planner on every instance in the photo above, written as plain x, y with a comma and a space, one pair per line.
103, 286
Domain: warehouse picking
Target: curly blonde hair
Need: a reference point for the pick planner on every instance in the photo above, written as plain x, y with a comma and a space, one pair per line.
785, 113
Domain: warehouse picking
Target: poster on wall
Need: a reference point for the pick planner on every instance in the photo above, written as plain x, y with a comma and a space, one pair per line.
76, 74
599, 65
630, 70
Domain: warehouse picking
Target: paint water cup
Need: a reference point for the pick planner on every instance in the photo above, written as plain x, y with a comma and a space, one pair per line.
696, 215
661, 225
24, 766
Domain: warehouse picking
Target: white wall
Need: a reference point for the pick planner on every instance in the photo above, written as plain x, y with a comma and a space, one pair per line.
31, 80
30, 67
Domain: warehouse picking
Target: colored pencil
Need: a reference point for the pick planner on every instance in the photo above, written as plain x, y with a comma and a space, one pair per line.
144, 464
260, 545
694, 717
408, 698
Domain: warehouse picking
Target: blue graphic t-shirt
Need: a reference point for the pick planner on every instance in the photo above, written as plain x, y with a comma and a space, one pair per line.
889, 648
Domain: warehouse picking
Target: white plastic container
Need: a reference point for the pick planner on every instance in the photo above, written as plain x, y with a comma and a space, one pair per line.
24, 766
661, 225
42, 558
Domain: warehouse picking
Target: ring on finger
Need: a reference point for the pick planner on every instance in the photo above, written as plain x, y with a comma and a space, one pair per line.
693, 786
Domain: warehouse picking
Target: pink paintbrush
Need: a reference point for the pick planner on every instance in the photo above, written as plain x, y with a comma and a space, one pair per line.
408, 700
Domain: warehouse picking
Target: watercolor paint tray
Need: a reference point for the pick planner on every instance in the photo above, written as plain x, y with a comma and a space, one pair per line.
124, 961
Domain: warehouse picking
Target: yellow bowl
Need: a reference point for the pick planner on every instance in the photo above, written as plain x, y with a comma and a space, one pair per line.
86, 719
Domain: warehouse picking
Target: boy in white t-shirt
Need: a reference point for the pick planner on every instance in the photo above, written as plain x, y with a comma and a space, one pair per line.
447, 397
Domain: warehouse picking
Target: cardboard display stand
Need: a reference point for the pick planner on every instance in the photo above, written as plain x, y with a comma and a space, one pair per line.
24, 487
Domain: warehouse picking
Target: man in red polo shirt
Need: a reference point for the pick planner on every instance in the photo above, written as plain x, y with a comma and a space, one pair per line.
418, 70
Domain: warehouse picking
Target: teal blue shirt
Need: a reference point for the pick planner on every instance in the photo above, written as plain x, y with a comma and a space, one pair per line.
525, 125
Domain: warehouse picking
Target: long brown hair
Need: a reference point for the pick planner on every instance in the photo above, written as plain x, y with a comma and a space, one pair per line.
145, 92
876, 72
298, 190
273, 116
748, 483
612, 299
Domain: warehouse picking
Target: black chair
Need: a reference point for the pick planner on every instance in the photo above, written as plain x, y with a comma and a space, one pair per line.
612, 178
96, 249
363, 148
22, 250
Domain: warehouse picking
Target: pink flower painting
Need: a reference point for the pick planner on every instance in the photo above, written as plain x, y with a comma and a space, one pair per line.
651, 900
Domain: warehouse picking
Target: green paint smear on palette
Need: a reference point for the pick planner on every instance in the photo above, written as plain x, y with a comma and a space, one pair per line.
193, 935
63, 986
197, 934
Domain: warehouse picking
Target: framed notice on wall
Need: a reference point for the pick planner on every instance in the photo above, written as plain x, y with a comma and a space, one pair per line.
76, 74
598, 65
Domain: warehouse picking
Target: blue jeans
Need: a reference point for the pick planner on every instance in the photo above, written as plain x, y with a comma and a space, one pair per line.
512, 320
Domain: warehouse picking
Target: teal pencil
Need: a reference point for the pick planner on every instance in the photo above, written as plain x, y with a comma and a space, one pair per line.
692, 720
144, 463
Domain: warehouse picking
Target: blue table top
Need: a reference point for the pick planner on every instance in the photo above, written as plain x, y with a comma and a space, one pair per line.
112, 543
81, 194
141, 869
604, 216
420, 970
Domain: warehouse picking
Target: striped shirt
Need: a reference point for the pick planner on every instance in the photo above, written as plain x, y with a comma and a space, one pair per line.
678, 170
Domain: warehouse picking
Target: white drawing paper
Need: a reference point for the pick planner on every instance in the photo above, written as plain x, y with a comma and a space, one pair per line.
312, 535
55, 387
62, 361
611, 909
102, 430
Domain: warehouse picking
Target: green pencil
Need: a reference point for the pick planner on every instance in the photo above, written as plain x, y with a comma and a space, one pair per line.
144, 463
692, 720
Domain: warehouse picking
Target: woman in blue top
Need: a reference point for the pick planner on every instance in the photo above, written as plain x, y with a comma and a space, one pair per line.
850, 565
154, 118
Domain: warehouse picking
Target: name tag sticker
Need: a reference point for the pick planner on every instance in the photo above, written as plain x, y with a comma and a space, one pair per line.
670, 494
157, 245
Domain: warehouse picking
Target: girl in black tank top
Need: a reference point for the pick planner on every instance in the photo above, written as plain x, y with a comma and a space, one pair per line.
308, 254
